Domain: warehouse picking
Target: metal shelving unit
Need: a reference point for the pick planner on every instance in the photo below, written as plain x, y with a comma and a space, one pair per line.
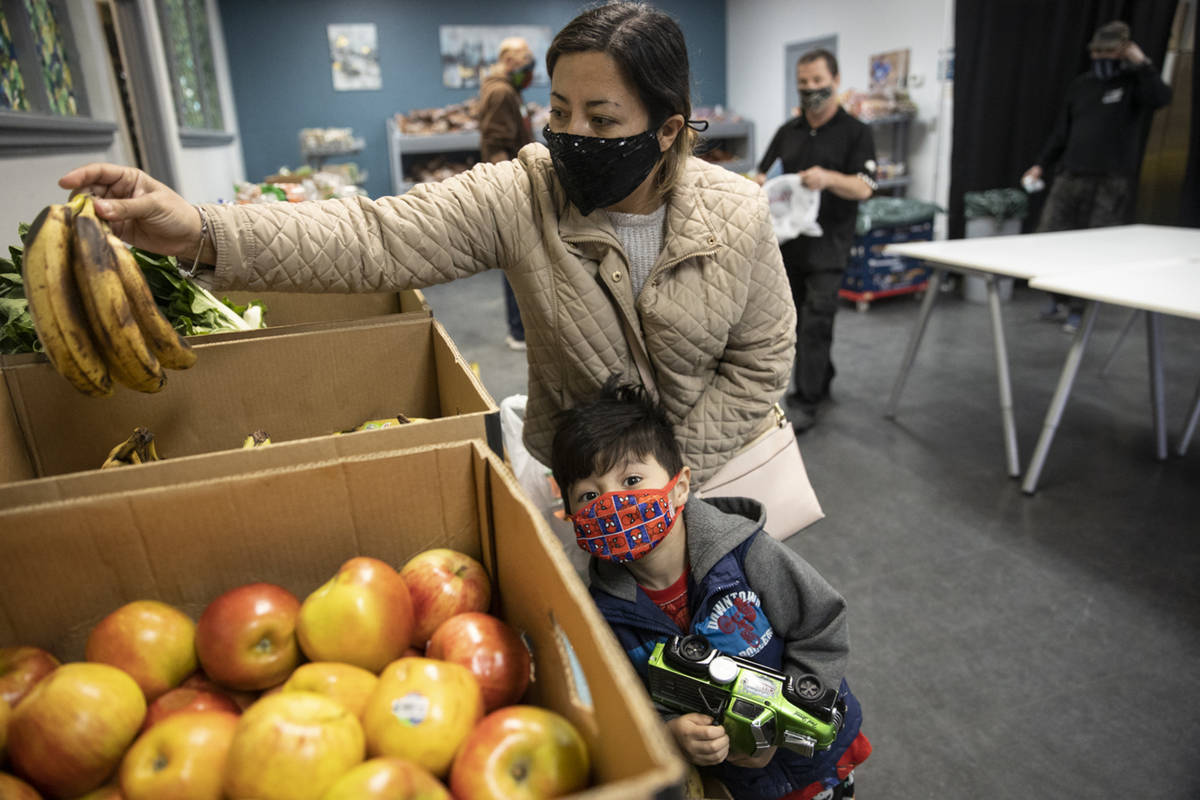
733, 137
896, 126
403, 145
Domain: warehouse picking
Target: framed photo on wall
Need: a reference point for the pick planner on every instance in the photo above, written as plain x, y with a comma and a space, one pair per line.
468, 51
354, 57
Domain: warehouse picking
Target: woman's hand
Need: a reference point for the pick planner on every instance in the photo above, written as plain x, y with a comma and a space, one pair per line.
139, 209
702, 742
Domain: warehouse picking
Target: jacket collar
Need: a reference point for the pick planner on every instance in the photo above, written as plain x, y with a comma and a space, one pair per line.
714, 528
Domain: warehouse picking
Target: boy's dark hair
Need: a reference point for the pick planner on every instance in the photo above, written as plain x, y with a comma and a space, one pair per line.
821, 53
621, 422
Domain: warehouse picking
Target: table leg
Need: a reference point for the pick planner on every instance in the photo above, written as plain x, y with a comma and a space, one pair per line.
1154, 344
1002, 376
1059, 401
1112, 354
914, 340
1190, 427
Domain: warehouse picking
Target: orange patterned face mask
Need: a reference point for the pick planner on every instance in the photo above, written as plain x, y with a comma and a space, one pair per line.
626, 525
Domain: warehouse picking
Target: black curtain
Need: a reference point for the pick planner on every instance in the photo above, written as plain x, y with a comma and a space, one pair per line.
1014, 60
1189, 201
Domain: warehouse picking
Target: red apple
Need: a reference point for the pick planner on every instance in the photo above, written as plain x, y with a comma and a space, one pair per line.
201, 682
152, 641
346, 683
181, 757
361, 616
491, 649
13, 788
21, 668
246, 638
292, 746
68, 735
387, 779
183, 699
443, 583
520, 753
421, 710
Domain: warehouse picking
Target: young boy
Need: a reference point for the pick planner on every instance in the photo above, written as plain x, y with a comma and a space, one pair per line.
663, 565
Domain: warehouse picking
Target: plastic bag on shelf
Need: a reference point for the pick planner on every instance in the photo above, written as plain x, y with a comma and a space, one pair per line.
1000, 204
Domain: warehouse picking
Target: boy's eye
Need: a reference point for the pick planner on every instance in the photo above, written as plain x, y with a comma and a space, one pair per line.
633, 480
586, 497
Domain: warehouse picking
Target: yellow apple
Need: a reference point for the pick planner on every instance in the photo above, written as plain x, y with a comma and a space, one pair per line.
69, 733
152, 641
346, 683
181, 757
13, 788
388, 779
291, 746
5, 715
361, 616
421, 710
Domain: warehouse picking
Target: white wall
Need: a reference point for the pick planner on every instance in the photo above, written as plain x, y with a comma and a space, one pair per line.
28, 183
758, 31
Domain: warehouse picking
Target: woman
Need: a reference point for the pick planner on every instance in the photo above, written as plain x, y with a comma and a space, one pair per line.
615, 234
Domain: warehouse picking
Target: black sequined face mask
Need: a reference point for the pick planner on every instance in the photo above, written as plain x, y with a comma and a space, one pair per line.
596, 172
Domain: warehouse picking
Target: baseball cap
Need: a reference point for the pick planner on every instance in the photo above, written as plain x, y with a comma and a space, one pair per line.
1110, 36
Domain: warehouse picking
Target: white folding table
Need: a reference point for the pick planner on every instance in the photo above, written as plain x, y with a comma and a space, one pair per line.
1031, 256
1167, 286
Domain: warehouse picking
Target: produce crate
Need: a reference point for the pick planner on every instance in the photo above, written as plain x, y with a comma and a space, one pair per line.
291, 308
64, 565
294, 383
871, 275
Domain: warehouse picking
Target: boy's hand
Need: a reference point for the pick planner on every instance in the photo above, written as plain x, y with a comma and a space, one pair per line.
702, 742
757, 761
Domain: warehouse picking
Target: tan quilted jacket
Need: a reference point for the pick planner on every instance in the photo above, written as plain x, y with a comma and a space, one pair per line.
715, 315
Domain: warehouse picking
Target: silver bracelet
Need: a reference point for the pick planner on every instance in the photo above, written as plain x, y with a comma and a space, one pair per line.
204, 234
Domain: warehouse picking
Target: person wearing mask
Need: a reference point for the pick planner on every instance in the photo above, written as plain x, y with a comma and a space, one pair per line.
618, 243
833, 153
1096, 145
504, 129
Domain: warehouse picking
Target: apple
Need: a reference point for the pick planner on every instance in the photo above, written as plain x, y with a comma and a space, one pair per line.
180, 757
68, 734
491, 649
346, 683
246, 638
109, 791
292, 746
443, 583
22, 667
520, 753
200, 681
421, 710
387, 779
13, 788
185, 699
5, 716
152, 641
361, 616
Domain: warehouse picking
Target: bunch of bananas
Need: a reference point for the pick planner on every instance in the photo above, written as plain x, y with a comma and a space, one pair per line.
137, 449
91, 306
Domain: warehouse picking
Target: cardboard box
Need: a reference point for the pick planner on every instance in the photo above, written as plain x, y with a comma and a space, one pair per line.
65, 565
294, 383
291, 308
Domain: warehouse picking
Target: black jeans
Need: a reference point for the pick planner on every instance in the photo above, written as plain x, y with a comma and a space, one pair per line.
516, 329
1076, 202
815, 293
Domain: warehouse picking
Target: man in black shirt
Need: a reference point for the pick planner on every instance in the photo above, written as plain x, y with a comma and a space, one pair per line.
1096, 143
835, 154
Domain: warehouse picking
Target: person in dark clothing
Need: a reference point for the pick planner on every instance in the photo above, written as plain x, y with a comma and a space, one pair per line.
1096, 144
834, 153
504, 128
666, 563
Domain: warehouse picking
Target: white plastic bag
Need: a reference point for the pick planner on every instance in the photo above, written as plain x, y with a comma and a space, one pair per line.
534, 478
794, 207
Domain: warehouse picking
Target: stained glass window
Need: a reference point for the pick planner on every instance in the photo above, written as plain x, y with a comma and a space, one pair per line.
12, 88
189, 49
52, 53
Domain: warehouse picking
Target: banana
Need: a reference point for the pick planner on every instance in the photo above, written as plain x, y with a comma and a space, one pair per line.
137, 449
56, 305
259, 438
164, 342
107, 306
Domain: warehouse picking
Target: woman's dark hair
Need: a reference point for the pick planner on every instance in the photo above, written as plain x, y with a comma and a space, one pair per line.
620, 423
649, 49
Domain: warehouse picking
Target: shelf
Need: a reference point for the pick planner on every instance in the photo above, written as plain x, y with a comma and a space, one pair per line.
889, 119
438, 142
892, 183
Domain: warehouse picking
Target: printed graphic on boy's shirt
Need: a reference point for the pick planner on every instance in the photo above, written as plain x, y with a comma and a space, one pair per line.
736, 624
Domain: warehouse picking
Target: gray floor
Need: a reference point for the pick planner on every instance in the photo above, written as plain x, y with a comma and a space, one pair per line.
1003, 645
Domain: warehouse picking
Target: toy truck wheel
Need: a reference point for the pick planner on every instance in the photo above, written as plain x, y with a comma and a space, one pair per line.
694, 648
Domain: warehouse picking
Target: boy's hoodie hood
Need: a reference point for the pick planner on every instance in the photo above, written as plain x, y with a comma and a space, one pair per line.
714, 527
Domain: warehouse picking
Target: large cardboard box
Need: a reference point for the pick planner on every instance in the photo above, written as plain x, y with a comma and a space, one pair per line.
65, 565
294, 383
292, 308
